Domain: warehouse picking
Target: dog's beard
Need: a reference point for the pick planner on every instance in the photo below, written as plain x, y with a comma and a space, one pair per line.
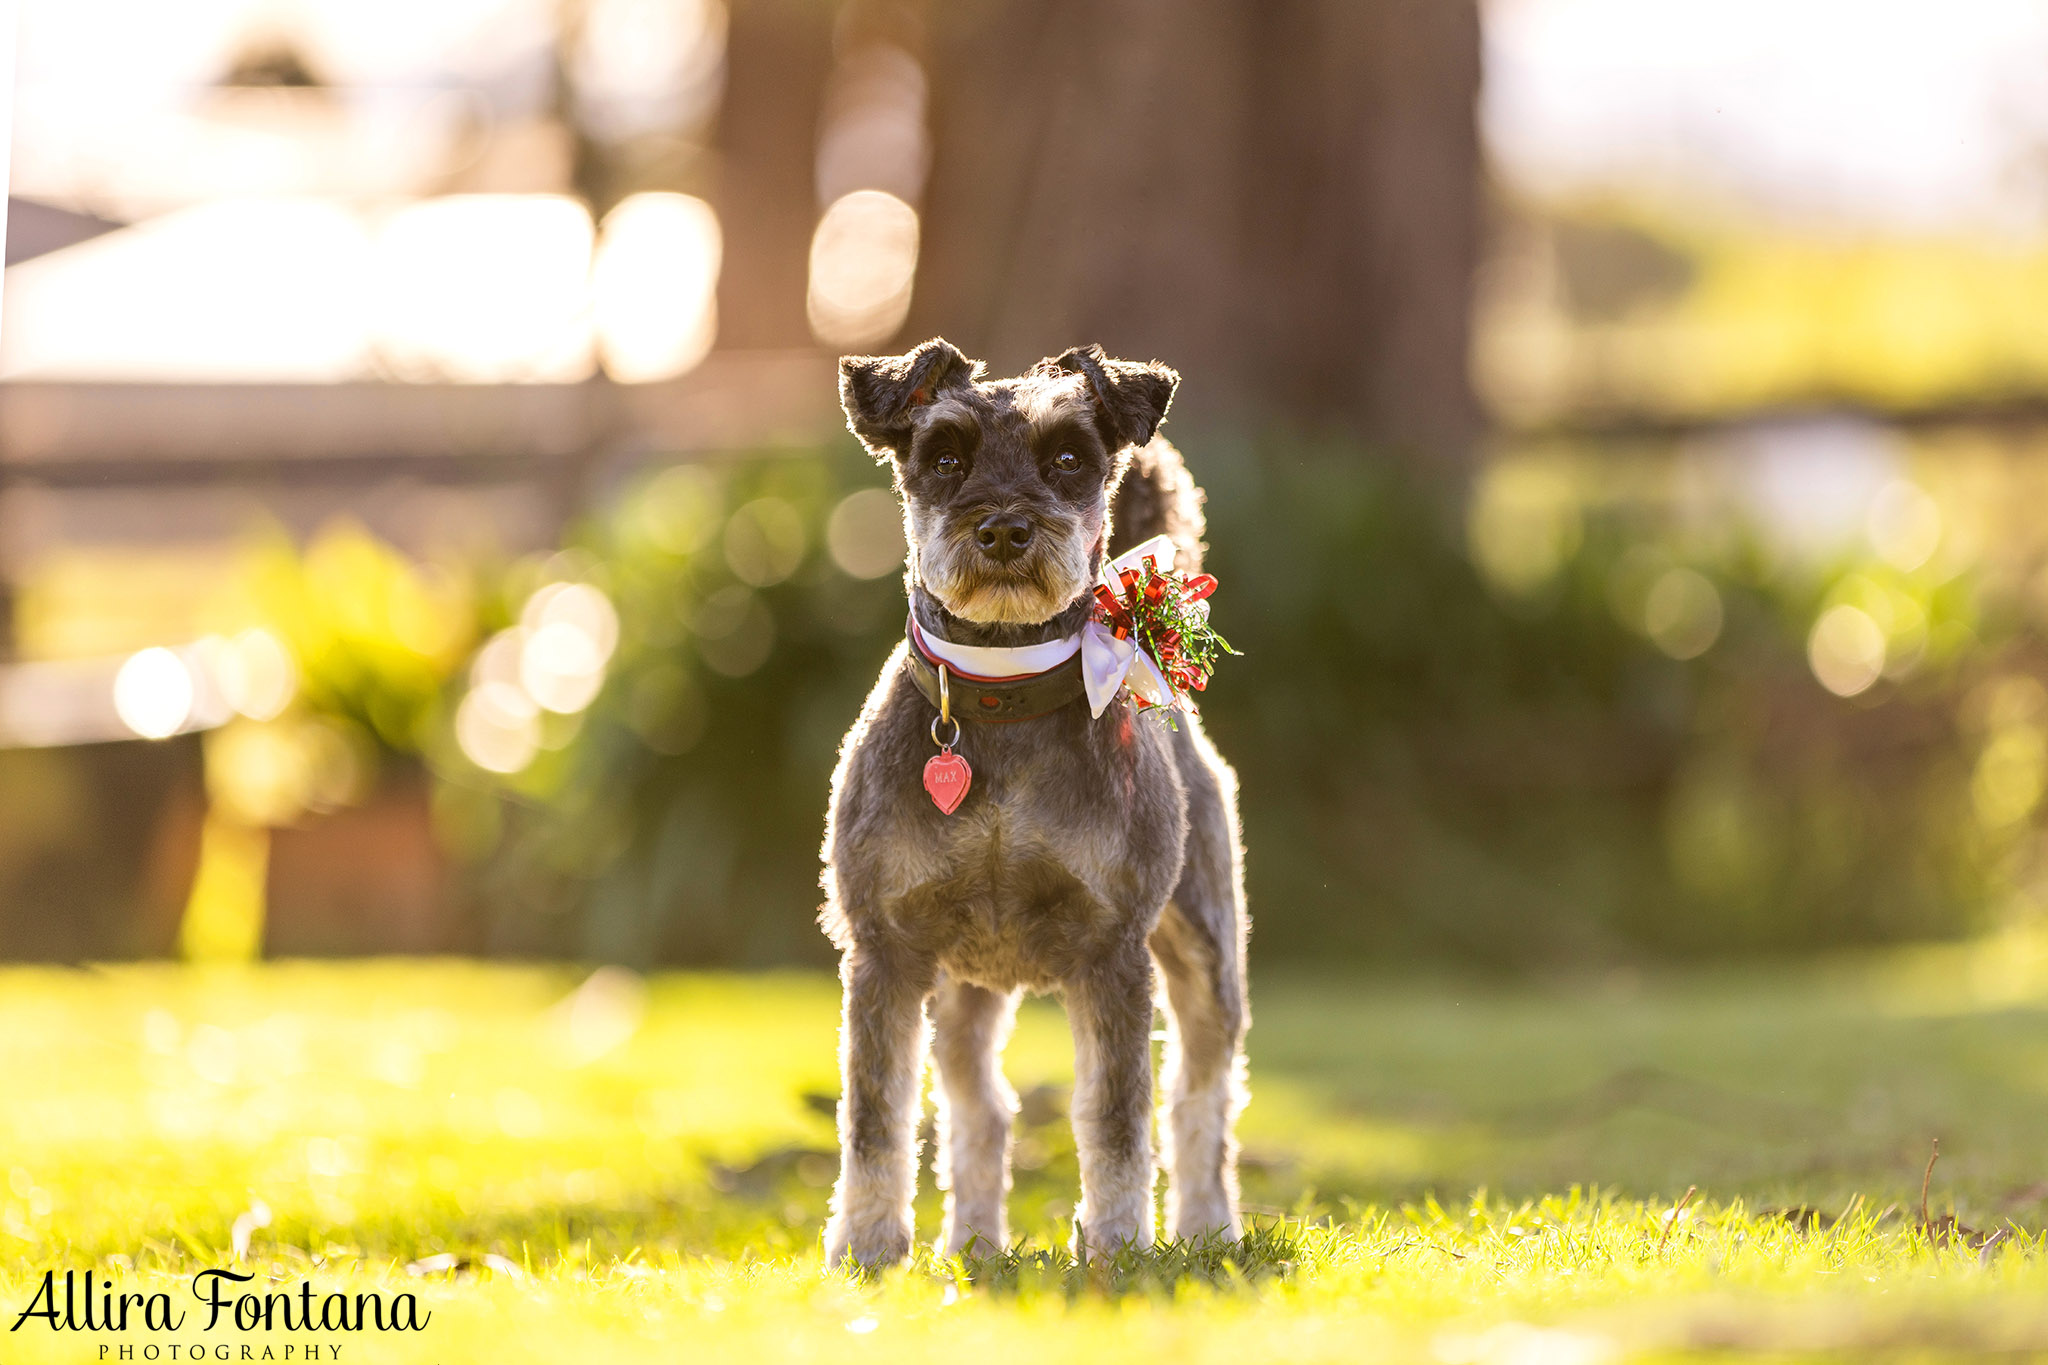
1035, 587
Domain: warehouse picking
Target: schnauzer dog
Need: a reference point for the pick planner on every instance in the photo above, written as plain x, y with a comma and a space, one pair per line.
1093, 854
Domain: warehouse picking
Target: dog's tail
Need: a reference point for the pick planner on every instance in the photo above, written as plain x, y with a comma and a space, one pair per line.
1158, 498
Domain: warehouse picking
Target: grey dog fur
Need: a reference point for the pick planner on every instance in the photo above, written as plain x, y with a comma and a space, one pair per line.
1099, 857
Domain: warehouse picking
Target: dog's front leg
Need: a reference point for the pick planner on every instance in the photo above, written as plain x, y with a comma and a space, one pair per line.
976, 1111
1109, 1008
881, 1060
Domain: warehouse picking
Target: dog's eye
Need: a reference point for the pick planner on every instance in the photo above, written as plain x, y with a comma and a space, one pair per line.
948, 463
1066, 462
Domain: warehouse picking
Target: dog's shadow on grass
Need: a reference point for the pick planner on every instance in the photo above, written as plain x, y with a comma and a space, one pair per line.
1268, 1250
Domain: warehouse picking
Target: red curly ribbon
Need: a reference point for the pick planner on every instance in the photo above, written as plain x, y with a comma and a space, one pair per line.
1135, 606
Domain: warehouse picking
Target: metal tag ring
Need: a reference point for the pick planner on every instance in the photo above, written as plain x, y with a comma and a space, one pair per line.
945, 709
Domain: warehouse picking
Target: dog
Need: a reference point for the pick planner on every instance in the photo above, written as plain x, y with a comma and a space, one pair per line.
1098, 856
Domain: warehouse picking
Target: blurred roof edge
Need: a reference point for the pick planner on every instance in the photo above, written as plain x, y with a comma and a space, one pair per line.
36, 229
99, 434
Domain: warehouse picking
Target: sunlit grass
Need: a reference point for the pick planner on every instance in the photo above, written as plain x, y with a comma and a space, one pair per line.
1438, 1170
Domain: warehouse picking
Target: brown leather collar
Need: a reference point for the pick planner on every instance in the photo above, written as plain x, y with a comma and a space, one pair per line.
1010, 699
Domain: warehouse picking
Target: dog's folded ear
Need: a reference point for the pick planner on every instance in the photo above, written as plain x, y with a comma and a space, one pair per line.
1132, 395
879, 392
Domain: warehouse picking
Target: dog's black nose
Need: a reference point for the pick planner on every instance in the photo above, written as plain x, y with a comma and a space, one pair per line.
1003, 536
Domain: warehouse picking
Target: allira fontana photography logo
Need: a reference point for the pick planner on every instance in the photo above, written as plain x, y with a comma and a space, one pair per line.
219, 1301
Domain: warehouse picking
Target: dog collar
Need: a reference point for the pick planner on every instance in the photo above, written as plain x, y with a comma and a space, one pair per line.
1018, 684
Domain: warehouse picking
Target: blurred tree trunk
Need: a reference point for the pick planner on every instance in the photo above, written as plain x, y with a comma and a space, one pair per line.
1281, 199
778, 55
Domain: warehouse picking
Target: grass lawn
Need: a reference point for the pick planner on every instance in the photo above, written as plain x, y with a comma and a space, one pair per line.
1445, 1171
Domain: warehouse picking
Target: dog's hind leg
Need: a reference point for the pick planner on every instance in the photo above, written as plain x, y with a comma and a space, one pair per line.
1199, 946
1109, 1009
881, 1061
970, 1024
1203, 1080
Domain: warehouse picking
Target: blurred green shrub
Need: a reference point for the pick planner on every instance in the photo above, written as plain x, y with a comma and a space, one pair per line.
1606, 730
376, 636
1600, 734
349, 665
677, 818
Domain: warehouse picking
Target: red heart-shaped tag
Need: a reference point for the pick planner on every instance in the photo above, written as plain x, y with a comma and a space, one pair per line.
947, 777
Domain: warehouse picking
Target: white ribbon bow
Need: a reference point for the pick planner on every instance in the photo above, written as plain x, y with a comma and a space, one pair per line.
1107, 663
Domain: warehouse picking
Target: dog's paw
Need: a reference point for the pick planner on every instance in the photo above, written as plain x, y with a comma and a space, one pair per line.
960, 1238
1114, 1214
1198, 1219
870, 1243
1105, 1236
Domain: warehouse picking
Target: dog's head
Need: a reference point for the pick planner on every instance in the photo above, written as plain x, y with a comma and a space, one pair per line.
1005, 483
